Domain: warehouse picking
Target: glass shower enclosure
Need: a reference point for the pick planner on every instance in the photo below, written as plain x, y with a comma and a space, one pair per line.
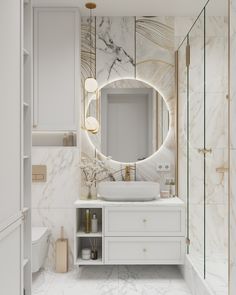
203, 143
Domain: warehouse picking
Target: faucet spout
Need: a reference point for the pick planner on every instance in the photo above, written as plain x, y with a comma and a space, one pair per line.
127, 173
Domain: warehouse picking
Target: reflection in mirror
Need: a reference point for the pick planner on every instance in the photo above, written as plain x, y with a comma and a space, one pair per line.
134, 120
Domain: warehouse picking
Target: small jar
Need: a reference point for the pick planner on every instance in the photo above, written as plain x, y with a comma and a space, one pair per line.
86, 253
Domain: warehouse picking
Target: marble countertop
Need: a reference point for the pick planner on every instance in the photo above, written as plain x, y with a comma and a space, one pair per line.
101, 203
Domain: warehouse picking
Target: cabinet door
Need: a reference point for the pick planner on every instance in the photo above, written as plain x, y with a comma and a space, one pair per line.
56, 68
10, 110
10, 147
11, 261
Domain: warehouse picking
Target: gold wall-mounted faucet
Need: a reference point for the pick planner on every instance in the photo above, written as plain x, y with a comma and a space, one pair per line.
127, 173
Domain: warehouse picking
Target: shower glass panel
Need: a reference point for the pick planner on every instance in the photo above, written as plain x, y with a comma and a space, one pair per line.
196, 143
182, 124
216, 127
203, 143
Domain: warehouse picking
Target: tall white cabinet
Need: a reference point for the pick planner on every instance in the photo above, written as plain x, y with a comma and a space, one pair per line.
26, 140
56, 69
15, 168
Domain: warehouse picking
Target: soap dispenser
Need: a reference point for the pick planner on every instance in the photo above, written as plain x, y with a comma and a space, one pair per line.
94, 223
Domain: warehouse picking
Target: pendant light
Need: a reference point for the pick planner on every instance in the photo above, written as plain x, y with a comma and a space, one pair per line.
91, 123
90, 84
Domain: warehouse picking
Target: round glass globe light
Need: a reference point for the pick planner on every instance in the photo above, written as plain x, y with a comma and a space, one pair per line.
95, 131
91, 124
91, 85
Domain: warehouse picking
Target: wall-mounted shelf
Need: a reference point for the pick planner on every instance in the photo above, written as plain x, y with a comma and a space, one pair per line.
81, 261
52, 138
85, 240
89, 235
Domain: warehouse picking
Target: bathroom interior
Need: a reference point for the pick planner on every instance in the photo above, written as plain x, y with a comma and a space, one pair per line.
118, 160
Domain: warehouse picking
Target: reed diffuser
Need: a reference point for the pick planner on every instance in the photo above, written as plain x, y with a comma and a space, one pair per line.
94, 251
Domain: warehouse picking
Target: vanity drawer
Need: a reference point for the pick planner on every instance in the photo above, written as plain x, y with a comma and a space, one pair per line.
163, 221
148, 250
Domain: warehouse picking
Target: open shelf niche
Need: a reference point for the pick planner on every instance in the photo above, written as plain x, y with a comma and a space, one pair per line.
84, 240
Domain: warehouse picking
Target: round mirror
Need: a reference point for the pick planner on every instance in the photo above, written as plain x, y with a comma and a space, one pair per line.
133, 119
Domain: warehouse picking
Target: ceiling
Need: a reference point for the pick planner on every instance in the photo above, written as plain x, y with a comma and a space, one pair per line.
142, 7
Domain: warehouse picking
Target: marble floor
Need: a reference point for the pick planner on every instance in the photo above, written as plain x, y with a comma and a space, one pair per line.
112, 280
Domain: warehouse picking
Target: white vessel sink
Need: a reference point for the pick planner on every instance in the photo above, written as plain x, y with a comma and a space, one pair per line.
136, 191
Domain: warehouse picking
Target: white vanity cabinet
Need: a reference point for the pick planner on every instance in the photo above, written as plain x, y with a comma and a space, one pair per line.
56, 69
134, 232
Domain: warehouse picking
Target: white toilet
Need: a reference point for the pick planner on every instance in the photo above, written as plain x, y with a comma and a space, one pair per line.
40, 243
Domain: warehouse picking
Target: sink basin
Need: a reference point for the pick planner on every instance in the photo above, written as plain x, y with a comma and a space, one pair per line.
136, 191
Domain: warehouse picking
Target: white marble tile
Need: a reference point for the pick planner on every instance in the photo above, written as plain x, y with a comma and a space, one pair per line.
216, 26
183, 24
217, 274
88, 56
151, 280
196, 235
87, 280
62, 186
216, 240
196, 177
216, 129
233, 221
194, 279
233, 73
115, 56
216, 182
182, 69
196, 68
155, 54
112, 280
233, 146
216, 49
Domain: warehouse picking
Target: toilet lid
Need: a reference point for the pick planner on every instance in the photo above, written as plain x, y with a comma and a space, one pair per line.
38, 233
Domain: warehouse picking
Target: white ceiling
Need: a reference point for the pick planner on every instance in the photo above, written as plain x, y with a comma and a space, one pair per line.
142, 7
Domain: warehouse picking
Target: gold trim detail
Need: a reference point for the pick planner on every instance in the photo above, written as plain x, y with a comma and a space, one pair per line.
187, 55
90, 5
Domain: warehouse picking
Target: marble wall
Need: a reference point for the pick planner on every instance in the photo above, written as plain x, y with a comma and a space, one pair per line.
142, 48
232, 147
53, 200
122, 47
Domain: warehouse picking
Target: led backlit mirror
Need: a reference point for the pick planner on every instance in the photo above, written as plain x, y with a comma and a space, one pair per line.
134, 120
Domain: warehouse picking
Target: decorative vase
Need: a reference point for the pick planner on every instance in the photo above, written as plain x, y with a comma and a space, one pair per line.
89, 194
